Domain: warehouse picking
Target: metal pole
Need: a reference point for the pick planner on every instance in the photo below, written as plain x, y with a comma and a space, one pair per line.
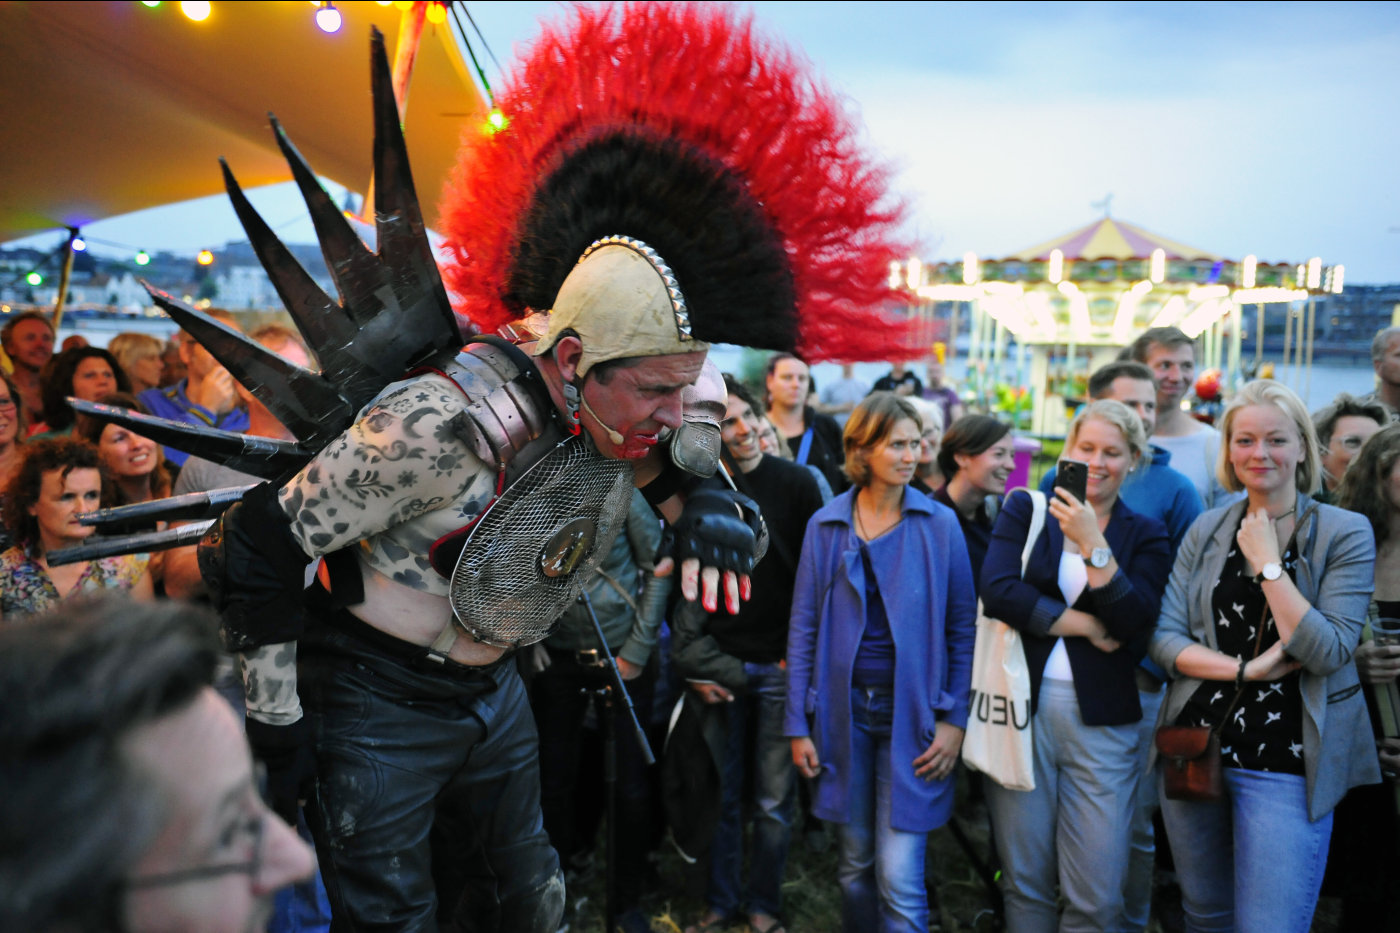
63, 279
1258, 336
1287, 339
1307, 365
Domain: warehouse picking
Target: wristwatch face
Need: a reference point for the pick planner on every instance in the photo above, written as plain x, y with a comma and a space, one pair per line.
1099, 557
1271, 571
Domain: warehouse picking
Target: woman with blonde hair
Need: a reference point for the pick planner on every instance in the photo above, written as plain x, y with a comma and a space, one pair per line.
138, 355
927, 478
1085, 607
1262, 614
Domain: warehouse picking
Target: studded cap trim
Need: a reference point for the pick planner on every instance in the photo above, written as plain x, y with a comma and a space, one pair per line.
673, 290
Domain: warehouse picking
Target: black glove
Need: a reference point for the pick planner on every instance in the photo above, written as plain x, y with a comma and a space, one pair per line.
721, 528
287, 754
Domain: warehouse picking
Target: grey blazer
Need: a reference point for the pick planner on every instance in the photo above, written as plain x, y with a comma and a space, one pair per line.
1336, 574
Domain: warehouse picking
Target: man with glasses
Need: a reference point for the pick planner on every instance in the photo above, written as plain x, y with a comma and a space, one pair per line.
130, 801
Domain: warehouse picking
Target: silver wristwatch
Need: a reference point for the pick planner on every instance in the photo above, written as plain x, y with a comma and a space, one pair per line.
1099, 557
1269, 571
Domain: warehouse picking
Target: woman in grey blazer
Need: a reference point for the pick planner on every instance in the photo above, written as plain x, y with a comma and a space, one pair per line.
1298, 737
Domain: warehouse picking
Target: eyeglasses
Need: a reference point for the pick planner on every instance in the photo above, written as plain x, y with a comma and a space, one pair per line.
204, 872
6, 403
257, 834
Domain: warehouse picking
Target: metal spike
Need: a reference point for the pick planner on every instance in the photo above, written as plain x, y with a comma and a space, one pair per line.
306, 403
266, 457
353, 267
194, 506
96, 547
321, 320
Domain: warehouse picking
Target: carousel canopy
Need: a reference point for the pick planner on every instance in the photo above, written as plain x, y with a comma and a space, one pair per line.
114, 107
1110, 239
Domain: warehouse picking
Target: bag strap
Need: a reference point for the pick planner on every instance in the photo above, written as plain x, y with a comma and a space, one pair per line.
1264, 618
805, 449
1037, 525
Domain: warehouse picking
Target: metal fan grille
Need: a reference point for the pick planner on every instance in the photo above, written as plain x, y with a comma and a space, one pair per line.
537, 545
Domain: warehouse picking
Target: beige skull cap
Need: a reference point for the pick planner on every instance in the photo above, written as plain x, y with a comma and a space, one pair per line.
622, 301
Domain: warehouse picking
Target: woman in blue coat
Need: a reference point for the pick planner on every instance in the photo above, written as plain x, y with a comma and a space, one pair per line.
879, 666
1085, 607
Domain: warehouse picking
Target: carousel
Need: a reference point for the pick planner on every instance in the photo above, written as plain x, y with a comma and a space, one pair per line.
1044, 317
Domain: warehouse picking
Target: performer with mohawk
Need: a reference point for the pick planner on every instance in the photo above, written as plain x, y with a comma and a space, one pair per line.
664, 181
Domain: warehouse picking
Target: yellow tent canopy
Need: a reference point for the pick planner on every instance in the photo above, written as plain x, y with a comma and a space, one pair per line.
113, 107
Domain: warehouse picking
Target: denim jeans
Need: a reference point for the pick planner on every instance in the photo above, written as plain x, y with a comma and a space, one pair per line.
1253, 861
754, 744
426, 810
1142, 851
881, 869
1072, 830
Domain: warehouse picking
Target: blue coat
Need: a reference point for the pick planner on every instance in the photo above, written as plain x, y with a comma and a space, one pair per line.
1127, 606
925, 580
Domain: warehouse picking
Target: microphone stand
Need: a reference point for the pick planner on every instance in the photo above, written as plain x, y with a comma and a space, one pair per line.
606, 696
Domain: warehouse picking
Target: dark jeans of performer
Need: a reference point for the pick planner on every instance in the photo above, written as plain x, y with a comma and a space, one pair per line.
401, 745
560, 703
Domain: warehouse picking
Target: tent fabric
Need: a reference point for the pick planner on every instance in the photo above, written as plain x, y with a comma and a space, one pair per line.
115, 107
1110, 239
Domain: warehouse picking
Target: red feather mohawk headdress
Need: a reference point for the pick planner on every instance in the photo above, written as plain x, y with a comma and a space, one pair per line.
674, 125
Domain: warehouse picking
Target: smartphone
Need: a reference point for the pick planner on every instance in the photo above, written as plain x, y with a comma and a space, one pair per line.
1073, 475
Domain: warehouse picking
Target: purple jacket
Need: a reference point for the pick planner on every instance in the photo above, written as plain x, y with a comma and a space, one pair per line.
926, 583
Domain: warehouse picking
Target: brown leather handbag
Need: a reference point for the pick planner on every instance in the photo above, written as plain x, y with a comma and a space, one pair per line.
1191, 767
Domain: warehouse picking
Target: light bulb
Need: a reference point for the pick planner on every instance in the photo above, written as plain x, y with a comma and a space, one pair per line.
328, 18
197, 10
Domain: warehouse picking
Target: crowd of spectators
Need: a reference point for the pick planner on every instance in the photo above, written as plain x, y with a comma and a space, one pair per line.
1240, 576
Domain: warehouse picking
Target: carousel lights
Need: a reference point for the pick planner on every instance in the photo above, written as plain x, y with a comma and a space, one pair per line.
1055, 271
1204, 315
197, 10
34, 278
972, 272
78, 243
436, 13
1300, 275
895, 267
1127, 311
1248, 269
1158, 270
143, 258
1264, 296
1079, 324
1173, 311
1335, 274
328, 17
1315, 272
1207, 292
914, 272
150, 3
205, 258
496, 121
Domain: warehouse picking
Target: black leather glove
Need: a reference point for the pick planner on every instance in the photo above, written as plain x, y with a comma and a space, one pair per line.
721, 528
287, 754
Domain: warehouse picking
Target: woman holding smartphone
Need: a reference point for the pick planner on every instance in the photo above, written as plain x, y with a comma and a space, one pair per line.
1085, 608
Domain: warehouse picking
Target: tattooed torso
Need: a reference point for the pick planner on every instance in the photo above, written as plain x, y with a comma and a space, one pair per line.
391, 485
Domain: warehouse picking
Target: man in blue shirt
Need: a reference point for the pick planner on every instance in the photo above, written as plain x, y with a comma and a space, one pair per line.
206, 396
1158, 491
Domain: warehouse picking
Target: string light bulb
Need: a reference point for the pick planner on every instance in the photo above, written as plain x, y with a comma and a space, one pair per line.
79, 244
150, 3
328, 17
205, 258
436, 13
197, 10
496, 121
142, 257
34, 278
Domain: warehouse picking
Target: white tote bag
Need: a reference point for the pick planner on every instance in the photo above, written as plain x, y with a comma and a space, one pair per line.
998, 738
